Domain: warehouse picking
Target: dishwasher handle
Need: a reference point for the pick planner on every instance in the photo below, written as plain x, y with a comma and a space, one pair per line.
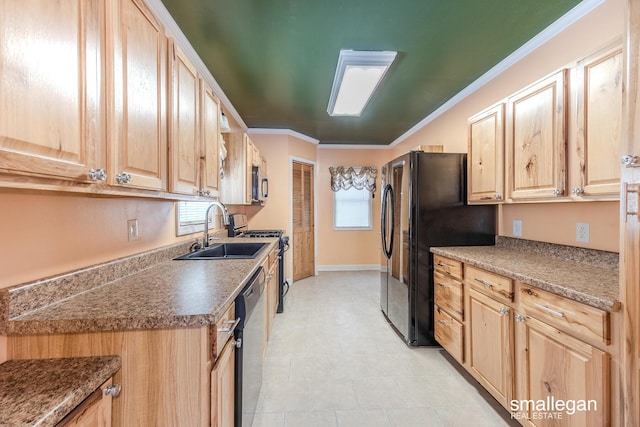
231, 329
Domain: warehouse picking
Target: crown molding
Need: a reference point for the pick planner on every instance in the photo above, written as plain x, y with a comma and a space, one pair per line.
284, 132
561, 24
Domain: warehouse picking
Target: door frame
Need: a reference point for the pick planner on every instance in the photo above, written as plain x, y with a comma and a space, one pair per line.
315, 211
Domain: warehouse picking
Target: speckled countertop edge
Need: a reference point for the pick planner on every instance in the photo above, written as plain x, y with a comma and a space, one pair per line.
41, 392
594, 285
166, 295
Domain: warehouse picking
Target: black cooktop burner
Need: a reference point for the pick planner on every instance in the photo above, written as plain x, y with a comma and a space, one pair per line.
263, 233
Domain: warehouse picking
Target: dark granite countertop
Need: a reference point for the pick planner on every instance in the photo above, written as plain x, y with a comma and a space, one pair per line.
41, 392
587, 276
166, 293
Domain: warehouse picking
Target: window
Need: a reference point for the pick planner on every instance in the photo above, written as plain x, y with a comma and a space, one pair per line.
190, 217
352, 209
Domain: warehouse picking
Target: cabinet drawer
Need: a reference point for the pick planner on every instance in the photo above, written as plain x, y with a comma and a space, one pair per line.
449, 333
576, 317
447, 265
224, 329
448, 295
492, 284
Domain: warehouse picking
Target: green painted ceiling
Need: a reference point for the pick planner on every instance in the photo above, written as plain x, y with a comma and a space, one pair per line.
275, 59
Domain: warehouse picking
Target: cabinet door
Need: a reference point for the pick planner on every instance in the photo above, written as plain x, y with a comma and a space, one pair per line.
599, 125
210, 164
50, 88
251, 153
222, 388
184, 147
536, 140
557, 367
486, 156
139, 135
94, 411
491, 345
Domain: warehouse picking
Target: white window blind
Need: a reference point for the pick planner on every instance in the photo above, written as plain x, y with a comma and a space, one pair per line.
352, 209
190, 217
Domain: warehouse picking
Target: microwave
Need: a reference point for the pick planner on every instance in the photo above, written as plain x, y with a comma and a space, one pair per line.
259, 185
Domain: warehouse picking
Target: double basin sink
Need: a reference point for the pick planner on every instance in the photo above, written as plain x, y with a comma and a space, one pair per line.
229, 250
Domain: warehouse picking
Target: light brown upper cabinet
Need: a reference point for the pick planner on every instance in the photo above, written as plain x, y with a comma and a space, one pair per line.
210, 136
50, 90
536, 140
595, 164
193, 140
486, 156
138, 69
184, 142
235, 187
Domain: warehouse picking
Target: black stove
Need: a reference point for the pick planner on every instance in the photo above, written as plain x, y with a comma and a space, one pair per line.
238, 227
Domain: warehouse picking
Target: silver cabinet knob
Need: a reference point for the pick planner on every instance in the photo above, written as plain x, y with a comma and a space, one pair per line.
558, 191
97, 174
577, 191
504, 310
123, 178
630, 161
519, 318
497, 196
112, 390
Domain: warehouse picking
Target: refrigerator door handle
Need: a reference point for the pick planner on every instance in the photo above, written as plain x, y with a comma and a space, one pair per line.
387, 196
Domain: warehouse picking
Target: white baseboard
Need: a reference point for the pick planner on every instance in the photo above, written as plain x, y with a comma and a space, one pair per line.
349, 267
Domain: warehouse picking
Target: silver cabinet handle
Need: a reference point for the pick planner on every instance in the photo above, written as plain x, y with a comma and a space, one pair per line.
498, 196
229, 330
97, 174
549, 310
482, 282
558, 191
630, 161
503, 311
112, 390
123, 178
577, 191
519, 318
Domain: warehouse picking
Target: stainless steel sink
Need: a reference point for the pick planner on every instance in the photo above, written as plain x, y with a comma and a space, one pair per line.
231, 250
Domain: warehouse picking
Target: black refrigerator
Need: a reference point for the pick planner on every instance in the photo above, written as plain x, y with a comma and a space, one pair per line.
424, 204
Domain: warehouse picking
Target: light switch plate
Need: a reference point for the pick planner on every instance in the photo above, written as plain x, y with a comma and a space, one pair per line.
517, 228
132, 227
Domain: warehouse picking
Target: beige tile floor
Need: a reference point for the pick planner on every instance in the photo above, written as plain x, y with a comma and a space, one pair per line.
333, 361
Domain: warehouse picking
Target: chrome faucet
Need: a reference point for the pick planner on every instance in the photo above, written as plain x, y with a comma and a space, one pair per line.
225, 220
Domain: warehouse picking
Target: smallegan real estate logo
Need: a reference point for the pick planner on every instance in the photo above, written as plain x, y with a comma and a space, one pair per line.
550, 408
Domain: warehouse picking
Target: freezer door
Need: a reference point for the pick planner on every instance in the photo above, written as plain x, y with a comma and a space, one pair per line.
386, 225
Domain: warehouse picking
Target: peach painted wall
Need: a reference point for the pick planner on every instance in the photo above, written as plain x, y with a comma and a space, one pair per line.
602, 217
549, 221
347, 247
276, 213
49, 234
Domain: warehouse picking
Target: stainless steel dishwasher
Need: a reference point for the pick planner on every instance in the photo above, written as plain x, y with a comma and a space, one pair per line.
250, 338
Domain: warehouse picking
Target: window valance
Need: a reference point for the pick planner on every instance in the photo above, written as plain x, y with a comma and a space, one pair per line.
344, 178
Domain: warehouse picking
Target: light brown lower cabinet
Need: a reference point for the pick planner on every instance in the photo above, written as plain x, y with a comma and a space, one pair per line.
490, 332
165, 373
569, 377
94, 411
222, 388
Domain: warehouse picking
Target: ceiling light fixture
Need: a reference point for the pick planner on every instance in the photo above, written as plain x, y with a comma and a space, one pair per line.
358, 74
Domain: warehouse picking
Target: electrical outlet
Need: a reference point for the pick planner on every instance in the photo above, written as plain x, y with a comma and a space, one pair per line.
582, 232
132, 227
517, 228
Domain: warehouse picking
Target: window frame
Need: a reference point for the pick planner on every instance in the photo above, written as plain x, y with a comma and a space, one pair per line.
354, 228
197, 226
